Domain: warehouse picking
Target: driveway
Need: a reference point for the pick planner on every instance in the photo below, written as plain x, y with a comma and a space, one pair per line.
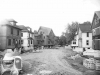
49, 62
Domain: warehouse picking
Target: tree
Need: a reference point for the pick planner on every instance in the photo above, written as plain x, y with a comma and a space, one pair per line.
56, 40
62, 40
71, 31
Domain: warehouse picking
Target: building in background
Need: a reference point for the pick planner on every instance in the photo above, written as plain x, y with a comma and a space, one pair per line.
26, 38
10, 35
48, 36
96, 30
85, 35
83, 38
74, 42
38, 40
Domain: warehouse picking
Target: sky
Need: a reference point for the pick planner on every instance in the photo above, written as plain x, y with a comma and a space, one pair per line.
55, 14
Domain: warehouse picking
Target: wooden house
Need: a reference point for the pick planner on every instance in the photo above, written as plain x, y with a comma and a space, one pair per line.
26, 38
38, 39
96, 30
85, 36
48, 36
10, 34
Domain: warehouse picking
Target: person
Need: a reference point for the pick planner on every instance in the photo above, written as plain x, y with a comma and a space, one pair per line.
16, 49
84, 49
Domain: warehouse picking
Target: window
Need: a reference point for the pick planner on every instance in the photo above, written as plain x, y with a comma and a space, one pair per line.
9, 42
48, 42
21, 34
31, 41
74, 42
11, 30
17, 32
96, 20
14, 41
21, 41
87, 42
87, 34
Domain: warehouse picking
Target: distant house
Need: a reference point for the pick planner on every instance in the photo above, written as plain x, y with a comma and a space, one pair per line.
48, 35
74, 42
85, 36
96, 30
38, 39
10, 34
26, 38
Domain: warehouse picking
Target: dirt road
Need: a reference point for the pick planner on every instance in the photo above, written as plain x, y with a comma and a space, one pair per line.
49, 62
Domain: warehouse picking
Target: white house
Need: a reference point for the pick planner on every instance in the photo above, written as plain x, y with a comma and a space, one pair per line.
85, 36
26, 38
74, 43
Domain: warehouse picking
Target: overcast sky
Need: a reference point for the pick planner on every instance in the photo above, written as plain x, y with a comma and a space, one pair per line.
55, 14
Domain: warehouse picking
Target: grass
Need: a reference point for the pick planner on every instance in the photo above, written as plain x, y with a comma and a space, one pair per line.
77, 63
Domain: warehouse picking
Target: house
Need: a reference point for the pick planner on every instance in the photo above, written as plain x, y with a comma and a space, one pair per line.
96, 30
26, 38
83, 38
38, 39
74, 42
48, 36
10, 34
95, 52
85, 35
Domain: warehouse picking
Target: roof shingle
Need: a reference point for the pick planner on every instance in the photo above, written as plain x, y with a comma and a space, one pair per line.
85, 27
98, 13
45, 30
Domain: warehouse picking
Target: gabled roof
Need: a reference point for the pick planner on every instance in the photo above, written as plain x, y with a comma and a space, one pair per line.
85, 27
98, 13
45, 30
23, 27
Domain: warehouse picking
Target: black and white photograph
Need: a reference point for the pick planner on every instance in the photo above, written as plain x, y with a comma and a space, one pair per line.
49, 37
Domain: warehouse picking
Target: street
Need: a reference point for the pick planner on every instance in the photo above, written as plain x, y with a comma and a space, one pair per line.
49, 62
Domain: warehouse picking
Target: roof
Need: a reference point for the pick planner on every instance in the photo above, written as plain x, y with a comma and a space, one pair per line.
7, 23
45, 30
23, 27
98, 13
85, 27
12, 20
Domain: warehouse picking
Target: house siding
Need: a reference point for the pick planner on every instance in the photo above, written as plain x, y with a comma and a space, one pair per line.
94, 23
3, 30
96, 32
75, 40
49, 36
27, 37
80, 38
84, 38
5, 34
